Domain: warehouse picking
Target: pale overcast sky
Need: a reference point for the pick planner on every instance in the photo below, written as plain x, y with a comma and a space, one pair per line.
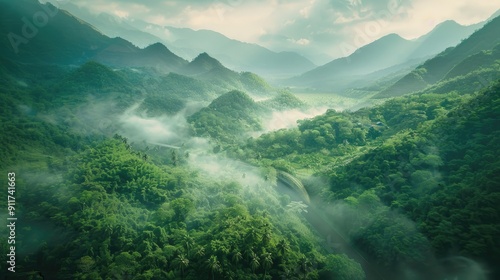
313, 24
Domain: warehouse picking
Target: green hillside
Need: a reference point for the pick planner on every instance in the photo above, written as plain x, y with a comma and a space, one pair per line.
94, 77
227, 118
283, 101
428, 157
438, 175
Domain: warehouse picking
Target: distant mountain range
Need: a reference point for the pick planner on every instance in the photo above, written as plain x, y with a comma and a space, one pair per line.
478, 51
68, 41
188, 43
391, 53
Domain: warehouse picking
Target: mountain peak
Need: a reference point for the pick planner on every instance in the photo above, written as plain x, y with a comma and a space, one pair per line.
393, 36
448, 24
203, 63
157, 47
233, 99
205, 58
387, 41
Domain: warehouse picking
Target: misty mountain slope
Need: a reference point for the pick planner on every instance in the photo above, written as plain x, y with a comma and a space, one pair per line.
437, 165
446, 34
112, 26
435, 69
236, 55
375, 82
85, 189
77, 41
390, 52
208, 69
378, 55
169, 94
122, 53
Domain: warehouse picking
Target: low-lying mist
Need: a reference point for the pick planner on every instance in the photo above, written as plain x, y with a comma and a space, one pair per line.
287, 119
164, 129
389, 235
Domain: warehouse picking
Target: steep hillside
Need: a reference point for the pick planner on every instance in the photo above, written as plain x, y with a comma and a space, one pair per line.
438, 175
112, 26
446, 34
77, 41
383, 53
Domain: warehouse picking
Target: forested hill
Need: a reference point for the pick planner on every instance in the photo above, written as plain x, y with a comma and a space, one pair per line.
227, 118
444, 176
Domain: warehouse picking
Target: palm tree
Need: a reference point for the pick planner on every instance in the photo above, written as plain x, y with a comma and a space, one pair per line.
188, 242
182, 263
201, 251
214, 265
283, 247
266, 237
237, 256
304, 263
252, 235
267, 261
254, 262
249, 253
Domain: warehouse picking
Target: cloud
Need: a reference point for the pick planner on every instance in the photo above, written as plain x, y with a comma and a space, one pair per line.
301, 41
163, 129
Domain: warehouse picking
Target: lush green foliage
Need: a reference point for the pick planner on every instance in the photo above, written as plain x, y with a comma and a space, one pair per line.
120, 215
443, 175
397, 186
